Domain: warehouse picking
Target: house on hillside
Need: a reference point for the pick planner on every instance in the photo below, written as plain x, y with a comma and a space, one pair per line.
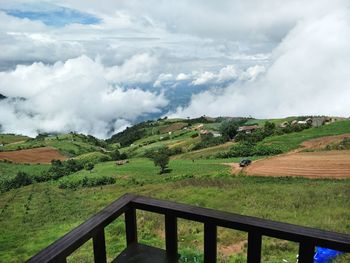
198, 127
284, 124
317, 121
302, 122
248, 129
204, 132
216, 134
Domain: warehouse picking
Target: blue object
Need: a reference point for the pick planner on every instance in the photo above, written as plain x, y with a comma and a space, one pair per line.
325, 255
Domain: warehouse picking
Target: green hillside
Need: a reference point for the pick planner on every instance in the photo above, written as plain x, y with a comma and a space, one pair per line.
33, 216
12, 138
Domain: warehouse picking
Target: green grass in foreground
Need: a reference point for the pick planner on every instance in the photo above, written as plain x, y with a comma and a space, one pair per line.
34, 216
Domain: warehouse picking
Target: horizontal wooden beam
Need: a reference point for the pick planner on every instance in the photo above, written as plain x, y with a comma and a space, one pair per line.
265, 227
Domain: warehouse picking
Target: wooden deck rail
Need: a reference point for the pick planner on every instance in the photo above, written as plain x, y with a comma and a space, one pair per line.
308, 238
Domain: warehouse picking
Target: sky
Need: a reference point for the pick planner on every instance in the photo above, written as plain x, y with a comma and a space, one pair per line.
96, 67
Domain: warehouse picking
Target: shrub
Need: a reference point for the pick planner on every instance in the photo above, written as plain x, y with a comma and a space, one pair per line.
59, 169
195, 135
86, 182
267, 150
89, 167
21, 179
208, 140
246, 149
116, 155
175, 150
242, 149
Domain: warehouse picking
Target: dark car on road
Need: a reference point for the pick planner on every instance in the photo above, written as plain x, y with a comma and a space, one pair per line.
244, 162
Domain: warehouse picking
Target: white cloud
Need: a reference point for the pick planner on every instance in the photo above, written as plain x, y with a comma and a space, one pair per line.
204, 78
75, 95
308, 75
140, 68
182, 76
163, 77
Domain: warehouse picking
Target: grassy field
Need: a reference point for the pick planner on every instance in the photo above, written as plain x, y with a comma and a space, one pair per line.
34, 216
206, 152
67, 144
12, 138
9, 170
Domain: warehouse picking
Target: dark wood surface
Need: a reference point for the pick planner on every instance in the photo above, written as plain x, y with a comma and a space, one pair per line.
138, 253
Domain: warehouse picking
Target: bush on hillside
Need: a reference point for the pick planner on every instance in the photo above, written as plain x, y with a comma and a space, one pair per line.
208, 140
59, 169
116, 155
21, 179
343, 145
87, 182
246, 149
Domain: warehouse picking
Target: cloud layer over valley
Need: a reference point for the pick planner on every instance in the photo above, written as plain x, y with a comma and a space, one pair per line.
96, 68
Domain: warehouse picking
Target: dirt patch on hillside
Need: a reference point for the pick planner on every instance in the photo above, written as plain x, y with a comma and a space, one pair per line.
173, 127
36, 155
324, 164
321, 143
235, 168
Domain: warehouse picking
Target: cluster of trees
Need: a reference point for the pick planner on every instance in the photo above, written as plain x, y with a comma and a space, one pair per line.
246, 149
208, 140
116, 155
130, 134
21, 179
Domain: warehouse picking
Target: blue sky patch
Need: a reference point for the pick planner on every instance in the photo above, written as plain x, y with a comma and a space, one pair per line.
58, 17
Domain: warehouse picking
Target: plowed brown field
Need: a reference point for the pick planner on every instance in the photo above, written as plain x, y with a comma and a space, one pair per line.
36, 155
324, 164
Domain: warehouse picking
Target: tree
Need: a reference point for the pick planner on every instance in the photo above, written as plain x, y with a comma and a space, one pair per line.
160, 157
89, 166
21, 179
269, 128
228, 129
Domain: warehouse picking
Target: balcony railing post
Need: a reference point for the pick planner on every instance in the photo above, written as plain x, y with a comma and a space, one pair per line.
210, 235
130, 226
254, 247
306, 252
171, 235
99, 244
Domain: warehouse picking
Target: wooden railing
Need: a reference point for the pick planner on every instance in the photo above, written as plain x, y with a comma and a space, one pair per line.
308, 238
